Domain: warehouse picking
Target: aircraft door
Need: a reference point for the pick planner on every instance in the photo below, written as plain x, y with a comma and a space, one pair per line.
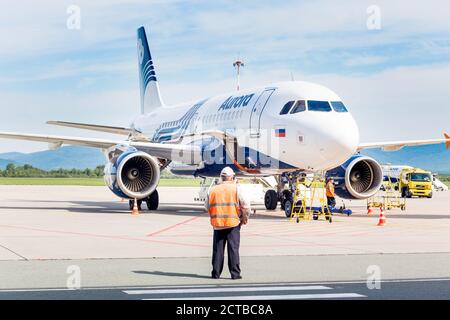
258, 107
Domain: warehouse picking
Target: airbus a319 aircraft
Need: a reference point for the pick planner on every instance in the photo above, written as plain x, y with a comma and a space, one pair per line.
267, 131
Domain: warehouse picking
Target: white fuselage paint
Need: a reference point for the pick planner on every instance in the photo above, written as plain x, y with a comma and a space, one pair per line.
313, 141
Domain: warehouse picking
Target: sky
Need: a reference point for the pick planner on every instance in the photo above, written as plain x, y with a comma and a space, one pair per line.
388, 60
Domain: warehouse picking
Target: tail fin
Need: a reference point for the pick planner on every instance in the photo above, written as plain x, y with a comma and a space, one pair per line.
150, 95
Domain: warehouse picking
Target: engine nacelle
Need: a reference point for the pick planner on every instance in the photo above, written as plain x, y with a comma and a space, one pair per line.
131, 173
360, 177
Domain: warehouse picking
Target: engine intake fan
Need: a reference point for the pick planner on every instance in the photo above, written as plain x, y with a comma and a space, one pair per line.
360, 177
138, 175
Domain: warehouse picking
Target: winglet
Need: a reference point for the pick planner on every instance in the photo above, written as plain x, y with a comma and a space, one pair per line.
447, 143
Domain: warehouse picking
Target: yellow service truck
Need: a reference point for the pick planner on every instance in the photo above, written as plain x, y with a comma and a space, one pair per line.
416, 182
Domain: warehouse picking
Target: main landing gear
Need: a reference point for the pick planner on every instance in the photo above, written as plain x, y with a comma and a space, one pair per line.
152, 202
283, 194
271, 199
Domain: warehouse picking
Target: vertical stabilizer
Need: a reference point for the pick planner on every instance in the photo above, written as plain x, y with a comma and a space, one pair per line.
150, 95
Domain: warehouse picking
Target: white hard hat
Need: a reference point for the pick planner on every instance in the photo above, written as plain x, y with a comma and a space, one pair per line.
227, 172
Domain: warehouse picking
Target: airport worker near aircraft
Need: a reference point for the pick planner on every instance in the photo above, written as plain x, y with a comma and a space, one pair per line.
331, 201
228, 209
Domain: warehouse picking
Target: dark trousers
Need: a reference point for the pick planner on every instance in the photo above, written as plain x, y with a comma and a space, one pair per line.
231, 237
331, 201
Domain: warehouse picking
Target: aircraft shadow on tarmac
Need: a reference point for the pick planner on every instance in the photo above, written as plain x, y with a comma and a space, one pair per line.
405, 216
117, 207
181, 209
173, 274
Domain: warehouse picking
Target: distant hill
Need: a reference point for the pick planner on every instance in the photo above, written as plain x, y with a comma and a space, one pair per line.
5, 162
70, 157
432, 157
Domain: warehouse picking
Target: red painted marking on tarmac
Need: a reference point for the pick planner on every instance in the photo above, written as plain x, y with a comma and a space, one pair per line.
172, 227
105, 236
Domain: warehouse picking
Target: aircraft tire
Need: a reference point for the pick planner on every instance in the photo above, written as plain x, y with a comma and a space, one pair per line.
288, 208
153, 201
271, 199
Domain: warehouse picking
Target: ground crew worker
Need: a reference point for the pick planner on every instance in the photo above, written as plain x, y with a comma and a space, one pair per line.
228, 210
331, 201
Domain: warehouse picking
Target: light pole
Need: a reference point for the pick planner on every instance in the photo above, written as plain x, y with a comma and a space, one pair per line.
238, 64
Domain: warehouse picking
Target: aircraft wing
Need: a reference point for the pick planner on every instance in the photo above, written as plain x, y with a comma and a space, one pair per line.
94, 127
212, 133
175, 152
397, 145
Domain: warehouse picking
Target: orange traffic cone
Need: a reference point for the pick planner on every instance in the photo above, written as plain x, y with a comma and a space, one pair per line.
135, 210
369, 208
382, 221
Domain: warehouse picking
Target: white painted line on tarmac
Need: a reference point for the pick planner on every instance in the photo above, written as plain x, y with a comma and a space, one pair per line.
275, 297
246, 289
224, 285
382, 281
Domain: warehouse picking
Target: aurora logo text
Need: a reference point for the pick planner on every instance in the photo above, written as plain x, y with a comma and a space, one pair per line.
236, 102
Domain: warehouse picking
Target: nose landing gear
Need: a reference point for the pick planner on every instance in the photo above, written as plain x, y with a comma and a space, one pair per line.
281, 194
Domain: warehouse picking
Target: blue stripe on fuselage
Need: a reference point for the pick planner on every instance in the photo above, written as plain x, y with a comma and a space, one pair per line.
180, 126
214, 169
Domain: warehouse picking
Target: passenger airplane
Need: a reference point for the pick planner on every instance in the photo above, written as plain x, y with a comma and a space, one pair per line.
271, 130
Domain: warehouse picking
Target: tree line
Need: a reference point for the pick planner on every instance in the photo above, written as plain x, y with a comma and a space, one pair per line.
28, 171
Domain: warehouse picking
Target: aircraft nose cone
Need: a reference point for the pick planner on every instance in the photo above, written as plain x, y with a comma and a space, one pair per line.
340, 141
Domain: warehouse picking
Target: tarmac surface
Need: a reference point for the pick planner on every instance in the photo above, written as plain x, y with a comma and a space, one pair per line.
434, 289
50, 233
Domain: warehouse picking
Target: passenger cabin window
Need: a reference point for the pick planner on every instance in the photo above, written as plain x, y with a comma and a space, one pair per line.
338, 106
299, 106
287, 107
322, 106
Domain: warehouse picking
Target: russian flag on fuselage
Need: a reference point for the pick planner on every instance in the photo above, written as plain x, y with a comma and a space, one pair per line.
280, 133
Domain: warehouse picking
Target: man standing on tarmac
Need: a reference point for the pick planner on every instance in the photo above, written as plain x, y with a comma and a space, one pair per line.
228, 210
331, 201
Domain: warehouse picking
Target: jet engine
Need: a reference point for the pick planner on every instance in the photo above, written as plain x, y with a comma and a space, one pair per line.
131, 173
360, 177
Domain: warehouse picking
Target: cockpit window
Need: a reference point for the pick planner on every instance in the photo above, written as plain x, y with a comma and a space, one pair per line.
299, 106
323, 106
338, 106
287, 107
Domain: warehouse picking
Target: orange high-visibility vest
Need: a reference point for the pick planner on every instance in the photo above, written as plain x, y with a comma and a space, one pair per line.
330, 190
224, 206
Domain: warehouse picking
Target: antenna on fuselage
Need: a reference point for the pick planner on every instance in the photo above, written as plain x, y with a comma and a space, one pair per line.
238, 64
